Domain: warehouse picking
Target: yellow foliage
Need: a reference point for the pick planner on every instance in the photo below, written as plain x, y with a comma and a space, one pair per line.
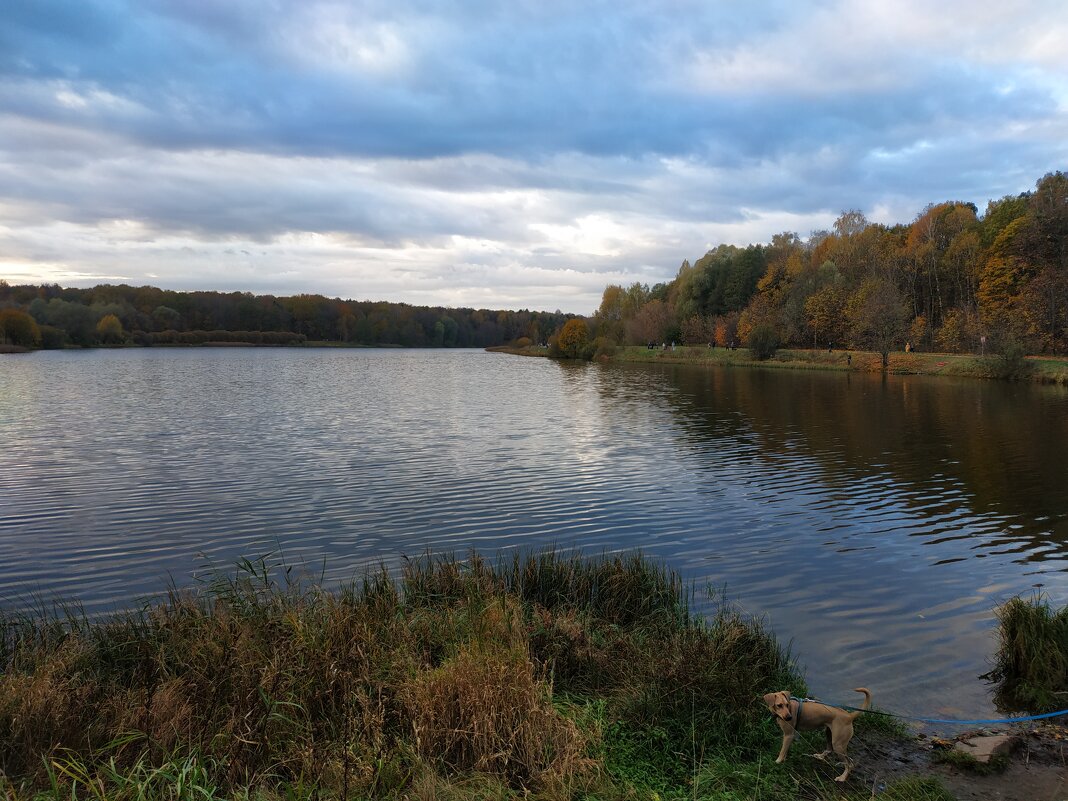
109, 329
19, 328
573, 338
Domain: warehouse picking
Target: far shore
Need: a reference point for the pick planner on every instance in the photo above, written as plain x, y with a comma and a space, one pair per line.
1039, 369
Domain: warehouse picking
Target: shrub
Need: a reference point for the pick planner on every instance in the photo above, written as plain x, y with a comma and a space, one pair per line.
763, 341
52, 337
603, 346
1010, 359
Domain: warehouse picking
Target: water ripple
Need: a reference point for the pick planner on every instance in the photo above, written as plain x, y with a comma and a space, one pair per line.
876, 533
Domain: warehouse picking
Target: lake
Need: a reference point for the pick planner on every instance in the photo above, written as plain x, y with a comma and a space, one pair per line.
875, 520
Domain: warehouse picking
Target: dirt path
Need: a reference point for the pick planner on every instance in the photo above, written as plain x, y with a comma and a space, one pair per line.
1036, 771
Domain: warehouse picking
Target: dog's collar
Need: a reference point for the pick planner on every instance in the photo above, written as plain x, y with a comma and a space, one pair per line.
797, 715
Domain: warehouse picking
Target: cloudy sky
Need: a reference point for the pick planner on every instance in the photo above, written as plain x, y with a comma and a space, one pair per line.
514, 154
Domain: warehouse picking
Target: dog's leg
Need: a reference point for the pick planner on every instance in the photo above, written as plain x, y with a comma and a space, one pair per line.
840, 741
847, 765
826, 752
787, 739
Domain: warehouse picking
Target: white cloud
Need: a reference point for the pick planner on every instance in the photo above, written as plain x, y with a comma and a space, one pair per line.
870, 46
334, 37
500, 155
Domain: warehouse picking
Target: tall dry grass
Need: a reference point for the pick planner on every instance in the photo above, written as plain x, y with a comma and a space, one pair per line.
458, 671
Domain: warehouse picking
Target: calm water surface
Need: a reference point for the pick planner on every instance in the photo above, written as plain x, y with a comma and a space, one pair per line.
875, 521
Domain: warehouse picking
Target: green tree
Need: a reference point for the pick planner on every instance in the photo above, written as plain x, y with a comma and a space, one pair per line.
610, 313
74, 318
1049, 210
109, 330
763, 341
166, 318
877, 316
19, 328
449, 332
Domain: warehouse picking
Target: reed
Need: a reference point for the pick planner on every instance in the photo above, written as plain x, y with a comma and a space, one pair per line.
1031, 665
544, 674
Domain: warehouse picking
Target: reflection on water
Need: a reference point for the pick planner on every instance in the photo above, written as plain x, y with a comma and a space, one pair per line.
876, 521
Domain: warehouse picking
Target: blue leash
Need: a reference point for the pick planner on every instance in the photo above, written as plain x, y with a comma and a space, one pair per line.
957, 722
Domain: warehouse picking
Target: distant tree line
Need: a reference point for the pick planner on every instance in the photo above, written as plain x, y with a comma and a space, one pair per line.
951, 280
52, 316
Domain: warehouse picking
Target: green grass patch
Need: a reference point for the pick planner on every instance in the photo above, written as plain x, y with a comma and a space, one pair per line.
1031, 664
1041, 369
963, 761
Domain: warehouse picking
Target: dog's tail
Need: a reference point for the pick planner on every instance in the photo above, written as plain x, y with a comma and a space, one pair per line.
867, 702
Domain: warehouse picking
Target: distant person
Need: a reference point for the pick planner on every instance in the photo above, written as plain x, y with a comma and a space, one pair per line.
849, 359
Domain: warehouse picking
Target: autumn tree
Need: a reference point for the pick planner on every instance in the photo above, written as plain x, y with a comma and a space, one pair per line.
697, 330
825, 314
1044, 306
109, 330
854, 246
573, 339
760, 313
651, 323
1004, 276
929, 238
877, 316
19, 328
726, 330
787, 281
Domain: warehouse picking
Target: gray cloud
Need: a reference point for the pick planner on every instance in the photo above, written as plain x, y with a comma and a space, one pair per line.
524, 153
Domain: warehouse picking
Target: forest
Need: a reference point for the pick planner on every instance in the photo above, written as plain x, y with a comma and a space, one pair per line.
54, 317
952, 280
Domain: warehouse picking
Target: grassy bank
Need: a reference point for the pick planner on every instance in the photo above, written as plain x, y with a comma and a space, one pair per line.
544, 676
1047, 370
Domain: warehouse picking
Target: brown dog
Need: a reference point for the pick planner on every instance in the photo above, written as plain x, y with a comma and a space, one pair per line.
795, 715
